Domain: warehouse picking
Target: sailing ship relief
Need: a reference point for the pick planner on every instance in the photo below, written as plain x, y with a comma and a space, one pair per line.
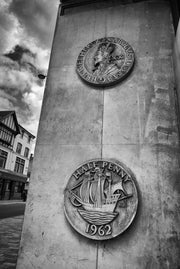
97, 192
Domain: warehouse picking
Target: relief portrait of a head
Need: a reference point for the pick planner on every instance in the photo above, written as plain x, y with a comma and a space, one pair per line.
106, 61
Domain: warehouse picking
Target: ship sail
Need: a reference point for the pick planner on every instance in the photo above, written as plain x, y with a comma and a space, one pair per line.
93, 191
98, 194
96, 191
84, 189
118, 186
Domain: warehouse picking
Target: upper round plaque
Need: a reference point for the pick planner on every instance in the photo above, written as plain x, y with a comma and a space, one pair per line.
105, 61
100, 199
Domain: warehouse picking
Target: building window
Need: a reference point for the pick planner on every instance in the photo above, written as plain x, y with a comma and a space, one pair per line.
3, 158
26, 152
19, 165
29, 139
19, 147
22, 134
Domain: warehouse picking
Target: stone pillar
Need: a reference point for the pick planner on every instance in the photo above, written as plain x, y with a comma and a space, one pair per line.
134, 122
176, 60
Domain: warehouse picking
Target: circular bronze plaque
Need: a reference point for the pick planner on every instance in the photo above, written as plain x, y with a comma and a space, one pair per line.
101, 199
105, 61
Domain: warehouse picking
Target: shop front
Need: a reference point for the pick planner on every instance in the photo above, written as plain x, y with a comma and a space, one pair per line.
11, 185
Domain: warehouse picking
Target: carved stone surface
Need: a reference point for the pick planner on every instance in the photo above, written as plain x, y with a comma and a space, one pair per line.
105, 61
101, 199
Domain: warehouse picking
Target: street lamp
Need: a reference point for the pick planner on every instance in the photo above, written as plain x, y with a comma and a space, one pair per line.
41, 76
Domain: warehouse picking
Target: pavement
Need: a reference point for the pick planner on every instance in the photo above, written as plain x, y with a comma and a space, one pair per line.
9, 210
10, 234
10, 202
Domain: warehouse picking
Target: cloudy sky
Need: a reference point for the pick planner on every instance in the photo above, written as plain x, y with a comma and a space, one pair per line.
26, 32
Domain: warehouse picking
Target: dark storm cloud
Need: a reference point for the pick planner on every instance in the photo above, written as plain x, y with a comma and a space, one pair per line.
17, 53
25, 59
37, 17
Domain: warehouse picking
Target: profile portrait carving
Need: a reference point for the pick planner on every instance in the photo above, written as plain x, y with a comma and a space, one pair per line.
105, 61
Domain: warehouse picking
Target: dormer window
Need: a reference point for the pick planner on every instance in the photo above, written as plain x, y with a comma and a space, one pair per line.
29, 139
19, 148
22, 134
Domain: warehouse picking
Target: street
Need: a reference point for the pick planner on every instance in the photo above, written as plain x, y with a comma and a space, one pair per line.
11, 209
11, 221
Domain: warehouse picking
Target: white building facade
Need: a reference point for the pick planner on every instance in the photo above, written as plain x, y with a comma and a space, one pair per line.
15, 152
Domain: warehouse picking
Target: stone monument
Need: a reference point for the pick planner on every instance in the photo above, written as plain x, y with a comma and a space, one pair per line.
105, 182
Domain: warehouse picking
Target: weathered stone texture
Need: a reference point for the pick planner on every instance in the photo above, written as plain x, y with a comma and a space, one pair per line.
134, 122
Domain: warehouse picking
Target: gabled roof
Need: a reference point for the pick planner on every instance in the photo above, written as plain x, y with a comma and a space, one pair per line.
6, 114
32, 136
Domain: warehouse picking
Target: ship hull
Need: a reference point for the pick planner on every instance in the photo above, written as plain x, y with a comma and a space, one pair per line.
104, 208
97, 217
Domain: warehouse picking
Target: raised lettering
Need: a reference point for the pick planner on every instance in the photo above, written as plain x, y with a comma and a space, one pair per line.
110, 166
95, 164
122, 173
89, 165
77, 174
104, 164
84, 169
116, 169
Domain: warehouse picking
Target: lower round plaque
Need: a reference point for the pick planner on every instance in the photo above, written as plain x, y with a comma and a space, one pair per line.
101, 199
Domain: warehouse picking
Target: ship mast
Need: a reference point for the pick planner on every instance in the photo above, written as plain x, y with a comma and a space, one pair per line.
98, 193
84, 189
99, 178
109, 179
